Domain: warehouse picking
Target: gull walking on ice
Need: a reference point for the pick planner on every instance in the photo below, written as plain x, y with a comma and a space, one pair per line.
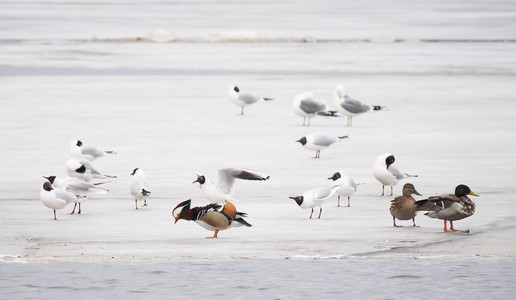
319, 142
243, 98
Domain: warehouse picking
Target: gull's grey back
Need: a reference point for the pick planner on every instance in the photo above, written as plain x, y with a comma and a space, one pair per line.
354, 106
311, 106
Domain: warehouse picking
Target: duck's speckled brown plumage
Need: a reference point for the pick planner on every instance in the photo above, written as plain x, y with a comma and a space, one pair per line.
404, 207
453, 207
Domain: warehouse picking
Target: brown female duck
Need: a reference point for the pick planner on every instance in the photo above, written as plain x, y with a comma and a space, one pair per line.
406, 207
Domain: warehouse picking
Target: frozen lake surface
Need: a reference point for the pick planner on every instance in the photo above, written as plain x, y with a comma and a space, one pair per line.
79, 70
266, 278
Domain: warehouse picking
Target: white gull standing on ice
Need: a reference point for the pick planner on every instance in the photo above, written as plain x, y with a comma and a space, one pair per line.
319, 142
243, 98
139, 187
55, 198
306, 106
79, 150
348, 186
225, 186
77, 187
349, 106
315, 197
386, 173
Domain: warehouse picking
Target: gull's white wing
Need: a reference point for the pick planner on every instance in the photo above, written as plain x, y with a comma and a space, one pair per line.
227, 177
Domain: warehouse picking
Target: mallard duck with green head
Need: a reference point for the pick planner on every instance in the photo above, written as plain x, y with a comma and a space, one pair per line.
453, 207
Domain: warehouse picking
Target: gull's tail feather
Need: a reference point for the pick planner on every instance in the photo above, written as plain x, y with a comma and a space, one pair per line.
329, 113
99, 183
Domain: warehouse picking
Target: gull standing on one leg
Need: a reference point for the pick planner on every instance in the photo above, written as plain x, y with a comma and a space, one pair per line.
243, 98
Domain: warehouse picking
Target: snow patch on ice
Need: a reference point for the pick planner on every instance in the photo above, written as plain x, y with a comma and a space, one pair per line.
161, 36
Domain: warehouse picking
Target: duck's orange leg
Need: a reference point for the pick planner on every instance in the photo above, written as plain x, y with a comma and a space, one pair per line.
214, 236
453, 229
446, 226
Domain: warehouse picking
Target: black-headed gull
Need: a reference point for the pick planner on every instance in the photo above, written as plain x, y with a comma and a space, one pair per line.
243, 98
79, 150
139, 187
386, 173
225, 186
306, 106
77, 187
55, 198
349, 106
348, 186
82, 169
315, 197
319, 142
210, 217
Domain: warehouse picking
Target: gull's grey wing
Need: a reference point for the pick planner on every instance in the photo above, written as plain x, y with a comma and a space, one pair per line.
354, 106
311, 106
89, 166
248, 98
395, 172
66, 196
227, 177
324, 140
80, 185
90, 150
